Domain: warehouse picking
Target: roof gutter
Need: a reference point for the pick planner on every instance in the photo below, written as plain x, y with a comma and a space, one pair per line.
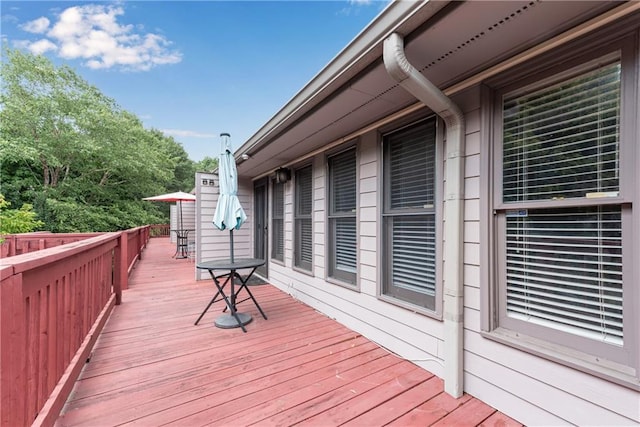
415, 83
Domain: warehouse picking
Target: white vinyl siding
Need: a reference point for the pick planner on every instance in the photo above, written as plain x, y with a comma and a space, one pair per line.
561, 215
277, 221
303, 221
342, 238
409, 251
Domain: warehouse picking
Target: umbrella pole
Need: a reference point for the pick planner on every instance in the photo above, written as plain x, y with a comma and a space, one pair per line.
231, 243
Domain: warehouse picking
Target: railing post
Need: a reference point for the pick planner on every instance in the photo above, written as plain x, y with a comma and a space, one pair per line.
121, 269
13, 383
140, 244
12, 248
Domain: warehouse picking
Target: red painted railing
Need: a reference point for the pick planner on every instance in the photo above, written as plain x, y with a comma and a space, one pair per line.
159, 230
53, 305
137, 239
18, 244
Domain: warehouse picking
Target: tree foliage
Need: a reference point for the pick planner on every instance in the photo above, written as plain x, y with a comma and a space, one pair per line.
78, 158
14, 221
208, 164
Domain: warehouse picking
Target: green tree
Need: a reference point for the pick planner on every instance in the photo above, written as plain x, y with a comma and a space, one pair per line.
14, 221
83, 162
208, 164
183, 167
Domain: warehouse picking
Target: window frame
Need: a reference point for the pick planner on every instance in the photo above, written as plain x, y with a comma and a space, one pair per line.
274, 254
336, 275
427, 305
564, 347
298, 218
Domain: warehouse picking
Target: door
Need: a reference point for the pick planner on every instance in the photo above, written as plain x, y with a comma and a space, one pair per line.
260, 191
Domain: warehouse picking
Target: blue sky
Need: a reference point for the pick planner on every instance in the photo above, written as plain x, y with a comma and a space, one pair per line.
192, 69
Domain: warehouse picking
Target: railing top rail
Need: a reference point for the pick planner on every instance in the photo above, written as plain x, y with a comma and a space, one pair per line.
20, 263
136, 229
36, 234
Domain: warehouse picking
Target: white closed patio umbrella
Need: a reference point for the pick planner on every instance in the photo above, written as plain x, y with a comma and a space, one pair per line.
229, 214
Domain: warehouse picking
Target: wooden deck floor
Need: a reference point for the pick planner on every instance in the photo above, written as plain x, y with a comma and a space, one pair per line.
151, 366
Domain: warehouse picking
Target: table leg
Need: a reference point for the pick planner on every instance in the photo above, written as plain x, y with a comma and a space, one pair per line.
234, 319
212, 299
246, 288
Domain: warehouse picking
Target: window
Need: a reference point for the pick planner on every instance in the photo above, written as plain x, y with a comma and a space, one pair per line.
563, 211
342, 239
409, 215
303, 253
277, 221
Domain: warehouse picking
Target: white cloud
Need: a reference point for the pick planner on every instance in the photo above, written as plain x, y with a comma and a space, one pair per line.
94, 34
9, 19
41, 46
187, 133
37, 26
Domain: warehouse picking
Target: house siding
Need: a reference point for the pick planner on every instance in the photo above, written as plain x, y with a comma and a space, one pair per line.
527, 387
532, 389
212, 243
319, 209
412, 335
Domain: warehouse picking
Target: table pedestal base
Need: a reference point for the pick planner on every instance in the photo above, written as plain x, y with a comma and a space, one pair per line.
228, 321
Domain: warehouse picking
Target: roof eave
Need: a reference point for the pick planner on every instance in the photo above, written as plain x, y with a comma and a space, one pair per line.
399, 16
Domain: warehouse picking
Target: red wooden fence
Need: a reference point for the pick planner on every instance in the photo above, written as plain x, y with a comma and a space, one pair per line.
53, 305
159, 230
18, 244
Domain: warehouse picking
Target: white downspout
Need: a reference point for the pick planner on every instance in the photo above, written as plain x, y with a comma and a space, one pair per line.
415, 83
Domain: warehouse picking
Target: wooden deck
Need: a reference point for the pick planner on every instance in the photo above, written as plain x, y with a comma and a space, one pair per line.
151, 366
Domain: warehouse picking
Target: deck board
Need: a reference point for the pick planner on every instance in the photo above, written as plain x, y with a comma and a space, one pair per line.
151, 366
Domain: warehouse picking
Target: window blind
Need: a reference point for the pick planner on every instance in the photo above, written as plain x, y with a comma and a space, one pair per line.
563, 141
564, 264
564, 270
413, 254
303, 218
277, 220
305, 234
342, 216
412, 168
304, 203
342, 172
345, 244
409, 214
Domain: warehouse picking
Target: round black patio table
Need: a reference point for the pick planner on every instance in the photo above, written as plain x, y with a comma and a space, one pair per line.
233, 319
